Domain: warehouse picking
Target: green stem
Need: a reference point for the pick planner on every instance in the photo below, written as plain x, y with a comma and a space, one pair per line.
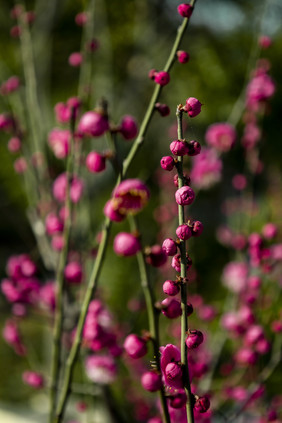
58, 327
93, 282
156, 93
153, 316
183, 286
35, 118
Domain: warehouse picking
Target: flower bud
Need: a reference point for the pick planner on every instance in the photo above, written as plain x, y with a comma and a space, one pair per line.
182, 56
170, 288
93, 124
156, 256
111, 213
173, 375
75, 59
179, 148
194, 148
197, 228
178, 400
135, 346
162, 78
202, 404
170, 247
126, 244
184, 232
151, 381
184, 196
33, 379
95, 162
193, 106
194, 339
171, 308
185, 10
167, 163
163, 109
128, 127
175, 263
73, 272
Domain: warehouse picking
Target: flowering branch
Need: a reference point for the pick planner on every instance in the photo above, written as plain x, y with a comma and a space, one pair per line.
93, 280
183, 274
153, 316
58, 327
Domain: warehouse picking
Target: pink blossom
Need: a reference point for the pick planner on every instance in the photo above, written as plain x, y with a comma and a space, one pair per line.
33, 379
155, 256
9, 86
260, 89
128, 127
60, 186
151, 381
135, 346
59, 141
130, 196
75, 59
20, 165
235, 276
126, 244
14, 145
73, 272
81, 18
93, 124
182, 56
101, 369
221, 136
95, 162
47, 296
206, 169
12, 337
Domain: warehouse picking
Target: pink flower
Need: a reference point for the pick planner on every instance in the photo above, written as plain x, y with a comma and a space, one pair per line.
93, 124
95, 162
162, 78
14, 145
9, 86
167, 163
59, 141
111, 213
179, 148
193, 106
101, 369
20, 165
73, 272
135, 346
221, 136
206, 169
269, 230
260, 89
12, 337
171, 288
151, 381
130, 196
126, 244
185, 10
170, 247
60, 185
182, 56
194, 339
264, 41
155, 256
128, 127
163, 109
33, 379
235, 276
202, 404
171, 308
75, 59
81, 19
184, 232
170, 366
47, 296
184, 196
53, 224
